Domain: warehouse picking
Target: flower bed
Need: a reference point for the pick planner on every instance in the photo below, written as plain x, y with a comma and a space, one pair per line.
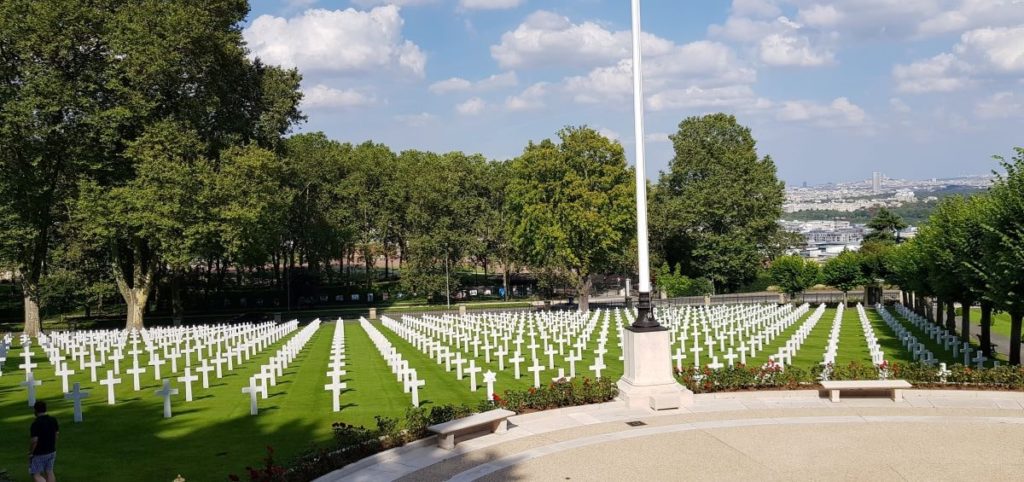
352, 443
774, 377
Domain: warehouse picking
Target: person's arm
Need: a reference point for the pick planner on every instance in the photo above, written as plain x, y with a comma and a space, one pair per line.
32, 442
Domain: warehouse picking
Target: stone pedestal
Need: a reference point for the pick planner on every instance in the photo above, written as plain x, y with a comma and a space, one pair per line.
462, 310
373, 313
647, 380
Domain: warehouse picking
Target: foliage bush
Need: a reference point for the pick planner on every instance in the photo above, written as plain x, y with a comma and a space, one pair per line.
770, 376
352, 443
562, 393
676, 284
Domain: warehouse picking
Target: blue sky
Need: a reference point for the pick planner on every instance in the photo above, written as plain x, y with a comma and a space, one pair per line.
832, 90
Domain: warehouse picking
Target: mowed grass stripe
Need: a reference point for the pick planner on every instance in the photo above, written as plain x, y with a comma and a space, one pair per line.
767, 350
938, 350
892, 348
812, 352
853, 347
372, 389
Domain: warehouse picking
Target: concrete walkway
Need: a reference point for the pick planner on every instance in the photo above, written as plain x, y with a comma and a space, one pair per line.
934, 435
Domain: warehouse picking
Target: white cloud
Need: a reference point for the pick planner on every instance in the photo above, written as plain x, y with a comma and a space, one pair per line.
1001, 105
400, 3
416, 120
820, 15
489, 4
472, 106
980, 53
941, 73
336, 41
546, 39
657, 137
697, 97
531, 98
321, 96
839, 113
454, 84
458, 84
762, 8
898, 105
791, 50
973, 14
609, 133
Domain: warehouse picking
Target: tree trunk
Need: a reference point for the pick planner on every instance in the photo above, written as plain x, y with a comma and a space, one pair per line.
367, 259
951, 316
504, 284
939, 319
177, 305
965, 320
584, 294
986, 329
32, 321
1015, 322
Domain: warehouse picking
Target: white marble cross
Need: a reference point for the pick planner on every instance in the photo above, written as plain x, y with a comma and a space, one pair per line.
254, 390
76, 395
31, 383
167, 392
536, 368
473, 370
135, 371
415, 384
63, 372
516, 360
110, 382
489, 378
187, 379
335, 387
205, 370
155, 361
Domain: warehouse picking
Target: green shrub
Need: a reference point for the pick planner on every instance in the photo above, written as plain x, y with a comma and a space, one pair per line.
559, 394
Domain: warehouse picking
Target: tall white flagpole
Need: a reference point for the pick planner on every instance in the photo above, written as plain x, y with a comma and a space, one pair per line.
645, 318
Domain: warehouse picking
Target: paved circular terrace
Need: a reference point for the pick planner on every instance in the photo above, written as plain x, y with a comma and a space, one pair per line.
933, 435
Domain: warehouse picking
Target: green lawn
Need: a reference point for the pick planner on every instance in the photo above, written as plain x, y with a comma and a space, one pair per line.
214, 435
1000, 321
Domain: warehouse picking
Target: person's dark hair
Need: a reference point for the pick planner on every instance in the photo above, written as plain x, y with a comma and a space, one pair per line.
40, 406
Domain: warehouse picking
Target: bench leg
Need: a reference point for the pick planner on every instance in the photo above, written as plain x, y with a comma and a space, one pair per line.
446, 441
833, 395
500, 426
897, 395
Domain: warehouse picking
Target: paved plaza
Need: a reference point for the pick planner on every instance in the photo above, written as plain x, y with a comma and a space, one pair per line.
933, 435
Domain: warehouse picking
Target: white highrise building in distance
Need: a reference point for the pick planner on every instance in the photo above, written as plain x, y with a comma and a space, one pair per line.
876, 182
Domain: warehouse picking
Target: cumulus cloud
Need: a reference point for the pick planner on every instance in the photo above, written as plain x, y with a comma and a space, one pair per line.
321, 96
697, 97
792, 50
1001, 105
531, 98
898, 105
489, 4
609, 133
343, 41
839, 113
980, 53
971, 14
546, 39
472, 106
458, 84
400, 3
820, 15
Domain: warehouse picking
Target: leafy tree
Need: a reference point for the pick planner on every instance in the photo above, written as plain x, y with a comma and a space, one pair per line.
674, 284
574, 206
950, 241
885, 227
793, 274
715, 211
843, 272
1002, 261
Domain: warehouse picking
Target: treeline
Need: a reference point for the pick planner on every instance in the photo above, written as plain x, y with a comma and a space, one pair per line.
970, 251
143, 153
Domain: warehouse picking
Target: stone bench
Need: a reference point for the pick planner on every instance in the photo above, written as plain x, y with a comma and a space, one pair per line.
492, 421
894, 386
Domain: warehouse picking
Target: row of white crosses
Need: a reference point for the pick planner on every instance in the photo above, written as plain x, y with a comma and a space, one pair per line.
404, 374
735, 331
877, 355
260, 383
832, 347
960, 349
241, 343
337, 365
917, 349
538, 337
786, 352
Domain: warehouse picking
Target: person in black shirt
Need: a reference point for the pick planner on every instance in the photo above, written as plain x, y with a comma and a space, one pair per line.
42, 450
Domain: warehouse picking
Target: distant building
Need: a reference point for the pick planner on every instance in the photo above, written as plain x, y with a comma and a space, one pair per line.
906, 195
876, 182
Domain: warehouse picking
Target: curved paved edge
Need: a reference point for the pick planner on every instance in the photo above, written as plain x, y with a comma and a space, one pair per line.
511, 460
410, 460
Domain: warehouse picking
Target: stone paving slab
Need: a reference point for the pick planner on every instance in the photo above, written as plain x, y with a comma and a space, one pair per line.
802, 419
